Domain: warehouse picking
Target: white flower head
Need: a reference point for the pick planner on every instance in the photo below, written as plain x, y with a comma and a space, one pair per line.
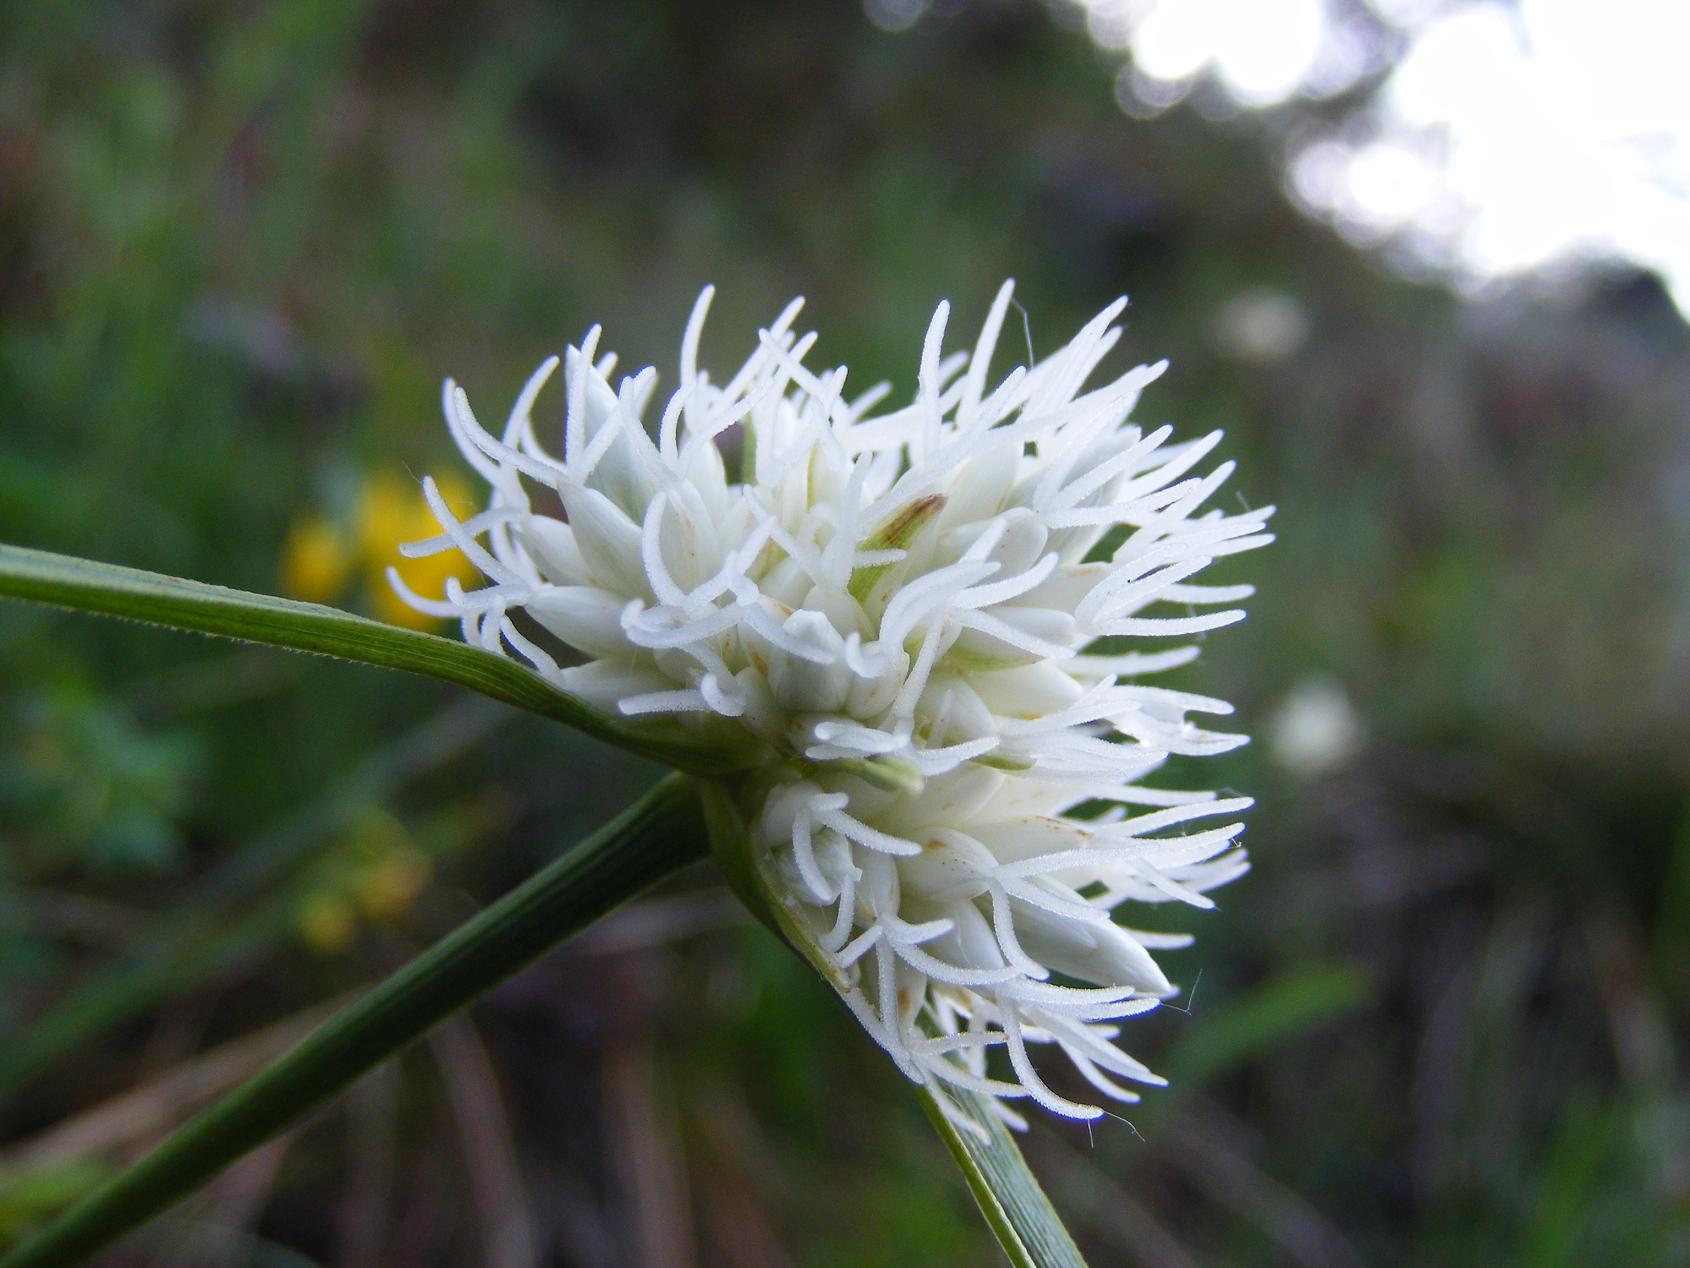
921, 628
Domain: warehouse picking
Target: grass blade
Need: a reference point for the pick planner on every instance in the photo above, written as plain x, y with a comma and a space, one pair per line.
659, 834
1009, 1196
113, 590
1021, 1217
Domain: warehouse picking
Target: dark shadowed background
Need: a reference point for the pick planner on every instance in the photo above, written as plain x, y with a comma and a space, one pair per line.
1444, 1020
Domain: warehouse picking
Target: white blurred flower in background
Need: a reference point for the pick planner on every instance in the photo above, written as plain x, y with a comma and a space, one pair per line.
1315, 729
1261, 326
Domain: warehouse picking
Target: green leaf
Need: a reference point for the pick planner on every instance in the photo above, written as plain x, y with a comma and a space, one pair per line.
1021, 1217
1570, 1183
658, 835
1278, 1010
113, 590
29, 1196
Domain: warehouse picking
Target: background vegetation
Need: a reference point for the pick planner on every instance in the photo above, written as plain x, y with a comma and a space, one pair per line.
1444, 1021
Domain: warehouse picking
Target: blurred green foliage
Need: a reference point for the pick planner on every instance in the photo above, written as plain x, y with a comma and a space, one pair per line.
90, 787
27, 1198
1444, 1021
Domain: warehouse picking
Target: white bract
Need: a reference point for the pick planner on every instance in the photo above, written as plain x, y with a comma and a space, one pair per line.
896, 617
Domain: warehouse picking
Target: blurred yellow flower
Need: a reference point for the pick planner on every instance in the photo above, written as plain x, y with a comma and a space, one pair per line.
373, 874
386, 889
326, 923
391, 511
315, 561
320, 557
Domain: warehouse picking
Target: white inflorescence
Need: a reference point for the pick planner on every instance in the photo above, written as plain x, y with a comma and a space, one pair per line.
898, 615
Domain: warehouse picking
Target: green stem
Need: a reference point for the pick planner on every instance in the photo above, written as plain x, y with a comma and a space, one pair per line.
1020, 1215
230, 918
659, 834
112, 590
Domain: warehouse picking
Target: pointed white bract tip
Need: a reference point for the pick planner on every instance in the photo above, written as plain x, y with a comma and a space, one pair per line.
541, 376
929, 373
695, 329
894, 611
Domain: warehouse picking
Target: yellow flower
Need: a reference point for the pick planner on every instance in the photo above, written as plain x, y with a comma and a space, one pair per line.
326, 923
373, 874
315, 559
321, 556
386, 889
391, 510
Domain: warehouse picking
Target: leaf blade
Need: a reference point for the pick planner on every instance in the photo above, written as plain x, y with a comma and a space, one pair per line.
1015, 1206
658, 835
114, 590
